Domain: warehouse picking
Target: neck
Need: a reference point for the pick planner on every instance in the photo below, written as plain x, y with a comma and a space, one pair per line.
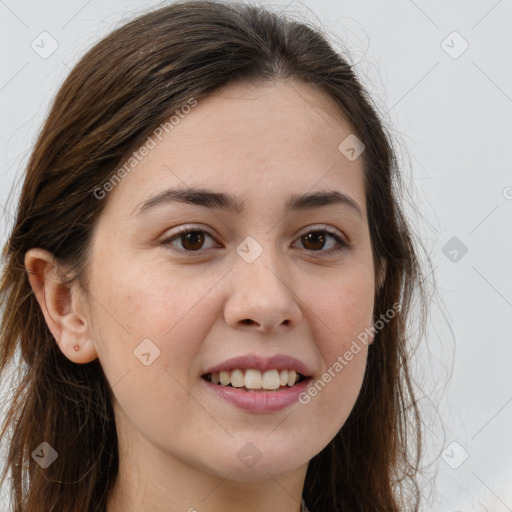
151, 480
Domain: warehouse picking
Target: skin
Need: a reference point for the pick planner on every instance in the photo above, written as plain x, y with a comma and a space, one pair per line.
178, 441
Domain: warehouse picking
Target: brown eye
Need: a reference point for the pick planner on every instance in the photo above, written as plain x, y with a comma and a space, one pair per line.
193, 240
318, 241
314, 241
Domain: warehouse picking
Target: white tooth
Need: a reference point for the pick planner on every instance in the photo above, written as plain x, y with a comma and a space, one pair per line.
270, 380
215, 378
283, 377
253, 379
225, 378
237, 379
292, 377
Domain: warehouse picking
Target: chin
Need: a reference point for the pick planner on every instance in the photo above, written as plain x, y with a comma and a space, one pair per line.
260, 472
253, 462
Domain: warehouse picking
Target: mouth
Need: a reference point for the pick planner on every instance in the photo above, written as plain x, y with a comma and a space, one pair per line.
258, 384
254, 380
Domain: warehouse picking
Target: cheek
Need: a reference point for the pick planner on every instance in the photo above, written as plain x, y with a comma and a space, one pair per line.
343, 310
340, 311
155, 315
174, 310
155, 301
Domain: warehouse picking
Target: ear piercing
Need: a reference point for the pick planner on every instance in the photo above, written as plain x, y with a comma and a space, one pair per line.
77, 348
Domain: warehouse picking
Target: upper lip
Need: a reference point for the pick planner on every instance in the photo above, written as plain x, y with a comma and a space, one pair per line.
278, 362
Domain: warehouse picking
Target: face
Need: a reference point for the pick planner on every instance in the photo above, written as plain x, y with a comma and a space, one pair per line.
183, 285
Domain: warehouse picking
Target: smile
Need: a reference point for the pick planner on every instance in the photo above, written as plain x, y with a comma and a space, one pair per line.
257, 399
253, 379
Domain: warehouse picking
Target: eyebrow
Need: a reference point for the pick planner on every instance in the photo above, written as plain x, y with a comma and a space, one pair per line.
220, 200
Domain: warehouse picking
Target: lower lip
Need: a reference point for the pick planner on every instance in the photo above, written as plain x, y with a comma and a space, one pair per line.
260, 401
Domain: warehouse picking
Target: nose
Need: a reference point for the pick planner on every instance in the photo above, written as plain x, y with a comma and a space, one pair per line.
262, 299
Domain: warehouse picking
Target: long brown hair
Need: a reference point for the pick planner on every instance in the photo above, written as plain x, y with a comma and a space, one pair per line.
112, 100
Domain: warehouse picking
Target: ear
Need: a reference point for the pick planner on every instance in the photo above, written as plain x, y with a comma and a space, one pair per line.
61, 307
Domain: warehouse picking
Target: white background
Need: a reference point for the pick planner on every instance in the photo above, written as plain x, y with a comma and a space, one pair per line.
452, 119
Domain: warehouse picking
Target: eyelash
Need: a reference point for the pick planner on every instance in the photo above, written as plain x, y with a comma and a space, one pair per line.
341, 244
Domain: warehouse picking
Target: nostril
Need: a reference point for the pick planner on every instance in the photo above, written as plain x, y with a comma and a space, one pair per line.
247, 321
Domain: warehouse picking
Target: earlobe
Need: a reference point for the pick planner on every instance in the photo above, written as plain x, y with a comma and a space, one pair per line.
60, 307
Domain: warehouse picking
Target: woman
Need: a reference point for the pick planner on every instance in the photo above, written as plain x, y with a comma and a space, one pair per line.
209, 280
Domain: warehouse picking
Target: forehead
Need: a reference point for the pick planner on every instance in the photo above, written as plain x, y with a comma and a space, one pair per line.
261, 140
